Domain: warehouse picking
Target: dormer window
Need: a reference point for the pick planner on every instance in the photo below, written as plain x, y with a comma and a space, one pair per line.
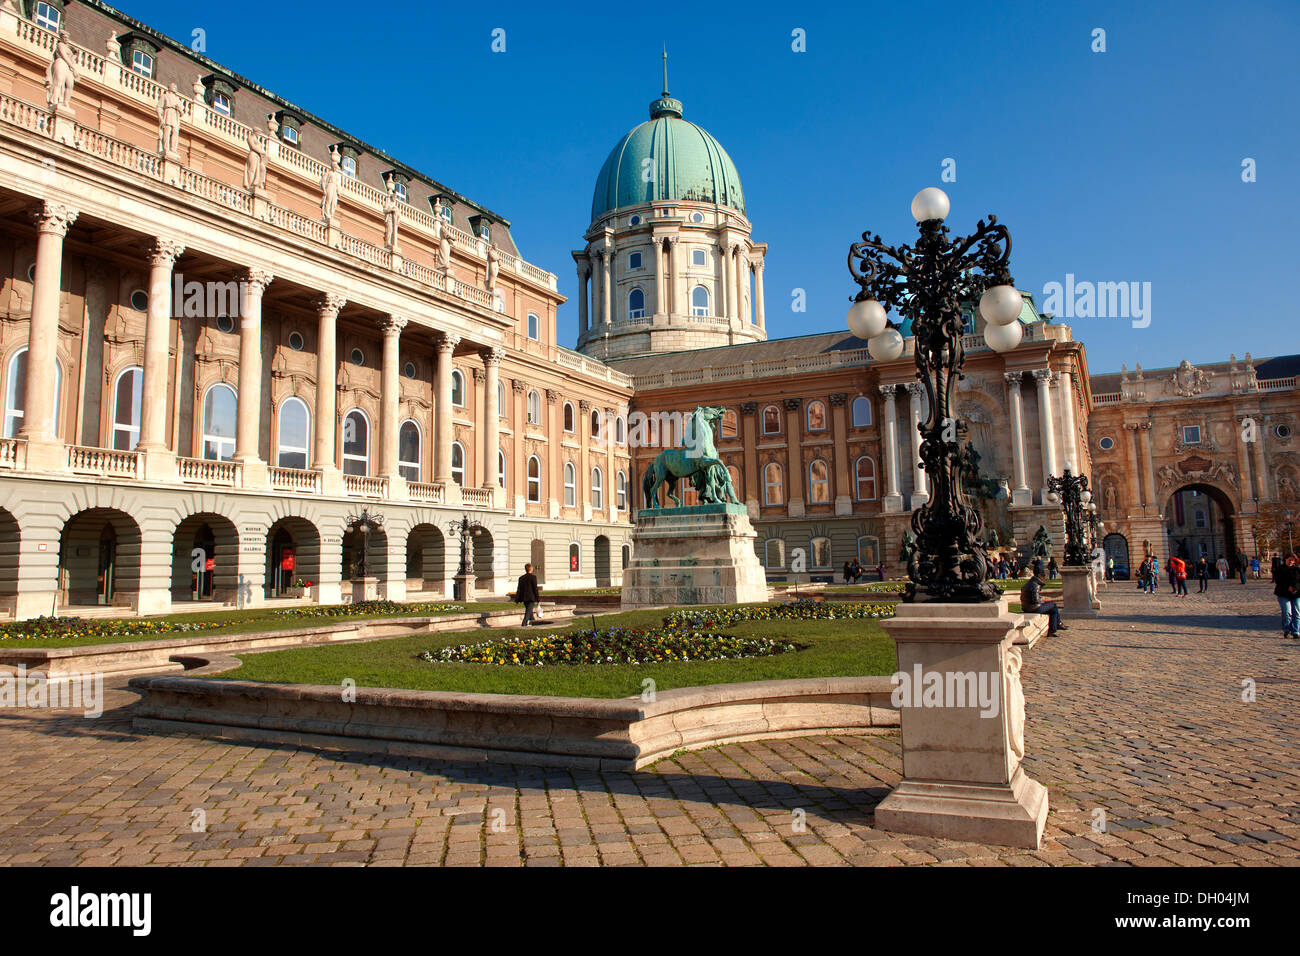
48, 16
349, 166
349, 159
399, 181
482, 227
290, 127
399, 190
142, 63
219, 94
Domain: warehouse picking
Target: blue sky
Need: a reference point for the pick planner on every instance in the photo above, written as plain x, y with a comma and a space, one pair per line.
1122, 166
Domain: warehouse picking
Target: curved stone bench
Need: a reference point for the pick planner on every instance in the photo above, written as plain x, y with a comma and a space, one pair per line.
577, 732
166, 654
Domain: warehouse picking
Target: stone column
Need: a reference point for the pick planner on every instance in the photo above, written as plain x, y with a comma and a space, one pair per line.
1046, 428
584, 275
553, 458
893, 500
752, 478
1148, 469
1020, 493
52, 224
163, 254
442, 429
586, 437
491, 425
1069, 445
611, 480
1245, 479
597, 294
842, 467
920, 489
390, 390
248, 427
517, 447
674, 280
1261, 469
795, 505
607, 286
659, 306
759, 312
328, 306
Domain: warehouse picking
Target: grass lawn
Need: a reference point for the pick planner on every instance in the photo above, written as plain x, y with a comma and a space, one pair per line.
227, 622
837, 648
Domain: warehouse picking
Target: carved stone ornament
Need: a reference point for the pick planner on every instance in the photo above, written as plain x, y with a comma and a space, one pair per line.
1015, 698
1188, 380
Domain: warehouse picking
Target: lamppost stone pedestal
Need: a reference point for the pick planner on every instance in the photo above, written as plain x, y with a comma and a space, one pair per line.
1078, 592
963, 728
365, 589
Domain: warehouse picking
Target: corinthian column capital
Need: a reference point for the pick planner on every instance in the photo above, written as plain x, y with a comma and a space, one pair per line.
888, 391
392, 324
1043, 375
55, 218
257, 279
447, 342
164, 252
329, 303
492, 356
1012, 378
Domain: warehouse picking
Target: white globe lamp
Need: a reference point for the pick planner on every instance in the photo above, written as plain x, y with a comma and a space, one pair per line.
886, 346
867, 318
1001, 305
930, 203
1003, 338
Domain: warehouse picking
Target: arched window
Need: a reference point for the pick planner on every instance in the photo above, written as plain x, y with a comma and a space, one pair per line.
575, 556
816, 416
568, 416
819, 482
534, 326
774, 553
501, 399
457, 388
570, 485
501, 468
219, 416
356, 443
16, 393
458, 463
861, 412
699, 301
626, 551
126, 408
636, 304
595, 423
730, 424
773, 484
734, 472
534, 479
819, 553
620, 487
869, 551
864, 476
620, 430
534, 408
771, 420
409, 441
597, 489
294, 434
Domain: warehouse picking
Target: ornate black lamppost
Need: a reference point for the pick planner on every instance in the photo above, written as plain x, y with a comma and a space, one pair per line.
1071, 490
928, 284
465, 528
364, 523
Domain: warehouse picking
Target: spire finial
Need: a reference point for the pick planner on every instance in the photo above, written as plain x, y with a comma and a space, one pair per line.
666, 69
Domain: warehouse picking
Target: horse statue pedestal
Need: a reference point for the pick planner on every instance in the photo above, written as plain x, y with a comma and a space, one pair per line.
702, 554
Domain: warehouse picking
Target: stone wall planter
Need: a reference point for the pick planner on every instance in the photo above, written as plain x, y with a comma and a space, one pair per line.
578, 732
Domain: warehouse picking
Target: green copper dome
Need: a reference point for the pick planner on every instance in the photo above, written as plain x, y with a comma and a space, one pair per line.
687, 163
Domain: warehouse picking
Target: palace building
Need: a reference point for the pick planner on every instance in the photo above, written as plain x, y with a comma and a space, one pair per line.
229, 330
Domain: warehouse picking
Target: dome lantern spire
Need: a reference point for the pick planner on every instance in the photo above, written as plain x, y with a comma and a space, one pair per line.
665, 105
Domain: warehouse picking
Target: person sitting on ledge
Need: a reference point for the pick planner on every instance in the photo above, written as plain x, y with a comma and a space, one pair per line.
1031, 601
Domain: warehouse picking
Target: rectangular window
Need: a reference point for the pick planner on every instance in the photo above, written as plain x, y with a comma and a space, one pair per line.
142, 63
291, 136
221, 104
699, 257
634, 260
1191, 434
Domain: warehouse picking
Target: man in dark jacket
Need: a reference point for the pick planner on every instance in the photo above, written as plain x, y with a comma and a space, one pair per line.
1203, 575
1031, 601
528, 594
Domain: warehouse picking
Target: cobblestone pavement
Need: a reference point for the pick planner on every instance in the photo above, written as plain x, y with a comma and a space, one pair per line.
1138, 715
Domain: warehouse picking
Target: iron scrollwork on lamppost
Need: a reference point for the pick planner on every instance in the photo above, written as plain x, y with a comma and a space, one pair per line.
365, 523
928, 285
466, 529
1075, 497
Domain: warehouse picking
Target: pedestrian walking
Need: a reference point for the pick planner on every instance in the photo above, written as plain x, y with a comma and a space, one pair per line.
1254, 570
1051, 567
529, 595
1286, 588
1203, 575
1222, 566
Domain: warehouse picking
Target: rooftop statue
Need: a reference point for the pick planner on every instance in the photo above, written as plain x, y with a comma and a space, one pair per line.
61, 75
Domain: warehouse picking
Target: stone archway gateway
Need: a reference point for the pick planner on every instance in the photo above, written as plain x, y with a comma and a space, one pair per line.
99, 559
205, 559
292, 555
1116, 547
426, 560
9, 538
1200, 521
601, 562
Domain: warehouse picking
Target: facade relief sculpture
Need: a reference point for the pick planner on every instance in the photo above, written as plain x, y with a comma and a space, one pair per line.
1188, 380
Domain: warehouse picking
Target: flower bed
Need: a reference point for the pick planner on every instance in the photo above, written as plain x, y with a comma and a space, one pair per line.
794, 611
359, 608
614, 645
887, 587
56, 628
